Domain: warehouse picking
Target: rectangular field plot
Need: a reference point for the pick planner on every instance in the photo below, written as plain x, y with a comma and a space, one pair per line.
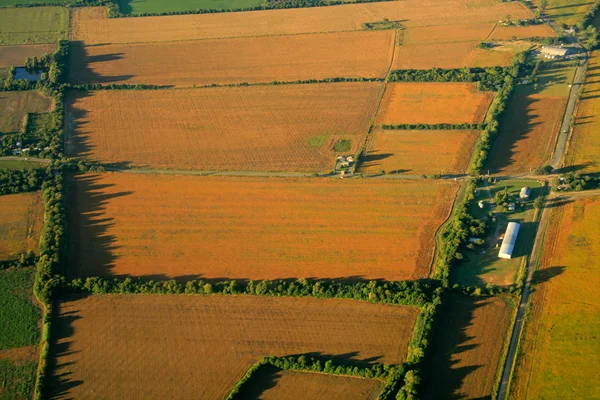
527, 134
92, 25
451, 55
124, 224
33, 25
15, 55
522, 32
121, 346
252, 60
14, 107
418, 152
266, 128
274, 384
21, 219
467, 348
560, 351
448, 33
433, 103
158, 6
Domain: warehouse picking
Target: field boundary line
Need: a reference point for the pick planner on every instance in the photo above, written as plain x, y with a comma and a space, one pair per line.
491, 33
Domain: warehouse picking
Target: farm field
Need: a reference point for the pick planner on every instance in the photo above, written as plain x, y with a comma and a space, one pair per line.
265, 128
522, 32
21, 219
252, 60
563, 325
157, 6
253, 228
200, 346
15, 55
565, 11
92, 26
433, 103
480, 269
528, 133
14, 106
448, 33
274, 384
467, 348
33, 25
583, 154
418, 152
451, 55
18, 164
19, 319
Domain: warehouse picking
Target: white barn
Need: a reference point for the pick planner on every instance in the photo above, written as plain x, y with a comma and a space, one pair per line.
510, 238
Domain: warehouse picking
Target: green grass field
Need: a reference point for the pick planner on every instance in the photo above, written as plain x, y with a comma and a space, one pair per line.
19, 317
566, 11
18, 164
4, 3
16, 380
33, 25
554, 79
483, 267
161, 6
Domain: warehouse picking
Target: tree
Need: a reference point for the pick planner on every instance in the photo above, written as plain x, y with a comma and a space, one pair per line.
538, 203
543, 5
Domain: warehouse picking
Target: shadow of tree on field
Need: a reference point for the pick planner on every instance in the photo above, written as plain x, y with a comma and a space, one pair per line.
82, 66
91, 249
546, 274
372, 158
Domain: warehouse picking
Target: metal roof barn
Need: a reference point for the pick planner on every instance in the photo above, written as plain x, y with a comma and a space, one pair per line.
510, 237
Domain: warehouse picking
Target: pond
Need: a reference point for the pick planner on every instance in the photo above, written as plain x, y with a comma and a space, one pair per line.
22, 73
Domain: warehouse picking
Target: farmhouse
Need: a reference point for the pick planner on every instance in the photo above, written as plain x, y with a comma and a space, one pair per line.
508, 243
554, 52
525, 192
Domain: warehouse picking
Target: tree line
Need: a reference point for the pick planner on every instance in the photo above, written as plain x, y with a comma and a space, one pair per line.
487, 79
440, 126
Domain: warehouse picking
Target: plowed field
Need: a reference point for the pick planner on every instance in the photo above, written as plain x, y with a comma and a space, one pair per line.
21, 219
14, 106
527, 133
561, 351
433, 103
124, 224
253, 60
451, 55
467, 348
272, 128
273, 384
418, 152
92, 26
199, 347
522, 32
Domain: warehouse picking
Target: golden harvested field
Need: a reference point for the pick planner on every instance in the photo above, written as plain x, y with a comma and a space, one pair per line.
467, 348
522, 32
274, 384
448, 33
451, 55
433, 103
561, 350
92, 26
199, 347
418, 152
21, 219
125, 224
14, 106
267, 128
252, 60
527, 133
15, 55
584, 149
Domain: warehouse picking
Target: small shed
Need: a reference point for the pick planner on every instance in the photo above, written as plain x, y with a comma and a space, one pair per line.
512, 206
525, 192
480, 203
554, 52
510, 238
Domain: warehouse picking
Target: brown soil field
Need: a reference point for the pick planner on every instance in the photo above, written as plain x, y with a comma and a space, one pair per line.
560, 351
15, 55
14, 106
433, 103
253, 228
418, 152
21, 220
583, 152
92, 26
272, 128
522, 32
451, 55
467, 348
527, 133
252, 60
274, 384
448, 33
200, 346
20, 355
